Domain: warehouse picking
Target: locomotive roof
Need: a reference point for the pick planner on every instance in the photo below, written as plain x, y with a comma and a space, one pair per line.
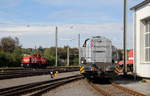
96, 37
100, 37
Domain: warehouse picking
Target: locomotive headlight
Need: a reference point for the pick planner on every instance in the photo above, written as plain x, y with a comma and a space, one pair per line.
82, 62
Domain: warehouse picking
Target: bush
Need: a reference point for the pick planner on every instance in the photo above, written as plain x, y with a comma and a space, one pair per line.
10, 59
51, 60
5, 59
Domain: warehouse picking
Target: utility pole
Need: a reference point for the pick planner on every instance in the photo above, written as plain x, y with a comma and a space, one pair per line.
56, 33
125, 35
68, 55
79, 47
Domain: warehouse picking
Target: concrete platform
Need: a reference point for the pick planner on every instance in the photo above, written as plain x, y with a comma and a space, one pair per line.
25, 80
138, 86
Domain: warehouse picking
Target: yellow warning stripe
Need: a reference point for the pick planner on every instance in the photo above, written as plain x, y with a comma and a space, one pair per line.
82, 69
117, 70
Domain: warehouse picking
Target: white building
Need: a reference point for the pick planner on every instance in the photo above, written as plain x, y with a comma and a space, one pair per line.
142, 38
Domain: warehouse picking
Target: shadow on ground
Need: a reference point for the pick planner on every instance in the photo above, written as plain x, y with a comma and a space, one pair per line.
121, 79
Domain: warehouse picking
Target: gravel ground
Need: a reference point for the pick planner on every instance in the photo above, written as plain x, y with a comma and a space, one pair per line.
25, 80
112, 90
136, 86
77, 88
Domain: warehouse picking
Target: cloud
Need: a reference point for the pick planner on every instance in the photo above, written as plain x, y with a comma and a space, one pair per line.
45, 35
78, 13
97, 17
77, 16
78, 2
27, 30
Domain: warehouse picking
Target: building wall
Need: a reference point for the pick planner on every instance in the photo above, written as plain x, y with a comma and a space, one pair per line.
142, 68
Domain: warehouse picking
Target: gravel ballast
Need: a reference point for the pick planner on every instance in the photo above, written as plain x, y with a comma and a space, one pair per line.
76, 88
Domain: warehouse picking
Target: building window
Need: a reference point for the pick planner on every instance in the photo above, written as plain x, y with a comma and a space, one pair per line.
147, 41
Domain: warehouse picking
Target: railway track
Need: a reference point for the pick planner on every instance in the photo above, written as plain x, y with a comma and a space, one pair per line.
38, 88
8, 74
114, 89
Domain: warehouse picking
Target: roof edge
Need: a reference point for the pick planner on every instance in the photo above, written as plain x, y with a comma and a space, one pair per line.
140, 5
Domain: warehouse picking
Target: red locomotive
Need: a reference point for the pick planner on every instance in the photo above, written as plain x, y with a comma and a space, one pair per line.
130, 62
34, 61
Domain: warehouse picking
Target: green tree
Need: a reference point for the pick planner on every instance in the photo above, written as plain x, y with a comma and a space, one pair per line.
62, 53
8, 44
10, 52
5, 59
75, 62
40, 49
50, 58
17, 56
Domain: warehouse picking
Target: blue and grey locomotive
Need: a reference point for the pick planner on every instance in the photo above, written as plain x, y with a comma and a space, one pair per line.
97, 57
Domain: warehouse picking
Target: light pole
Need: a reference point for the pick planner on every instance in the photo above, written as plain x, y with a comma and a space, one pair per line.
68, 55
56, 44
68, 50
79, 47
125, 36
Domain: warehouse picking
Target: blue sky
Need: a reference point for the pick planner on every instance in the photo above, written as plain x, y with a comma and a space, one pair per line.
88, 17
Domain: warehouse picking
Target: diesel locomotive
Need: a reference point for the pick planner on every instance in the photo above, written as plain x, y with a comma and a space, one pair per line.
98, 58
34, 61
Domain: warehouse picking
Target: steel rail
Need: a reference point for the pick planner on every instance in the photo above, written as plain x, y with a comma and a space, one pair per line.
45, 89
132, 92
100, 90
25, 73
37, 88
118, 87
